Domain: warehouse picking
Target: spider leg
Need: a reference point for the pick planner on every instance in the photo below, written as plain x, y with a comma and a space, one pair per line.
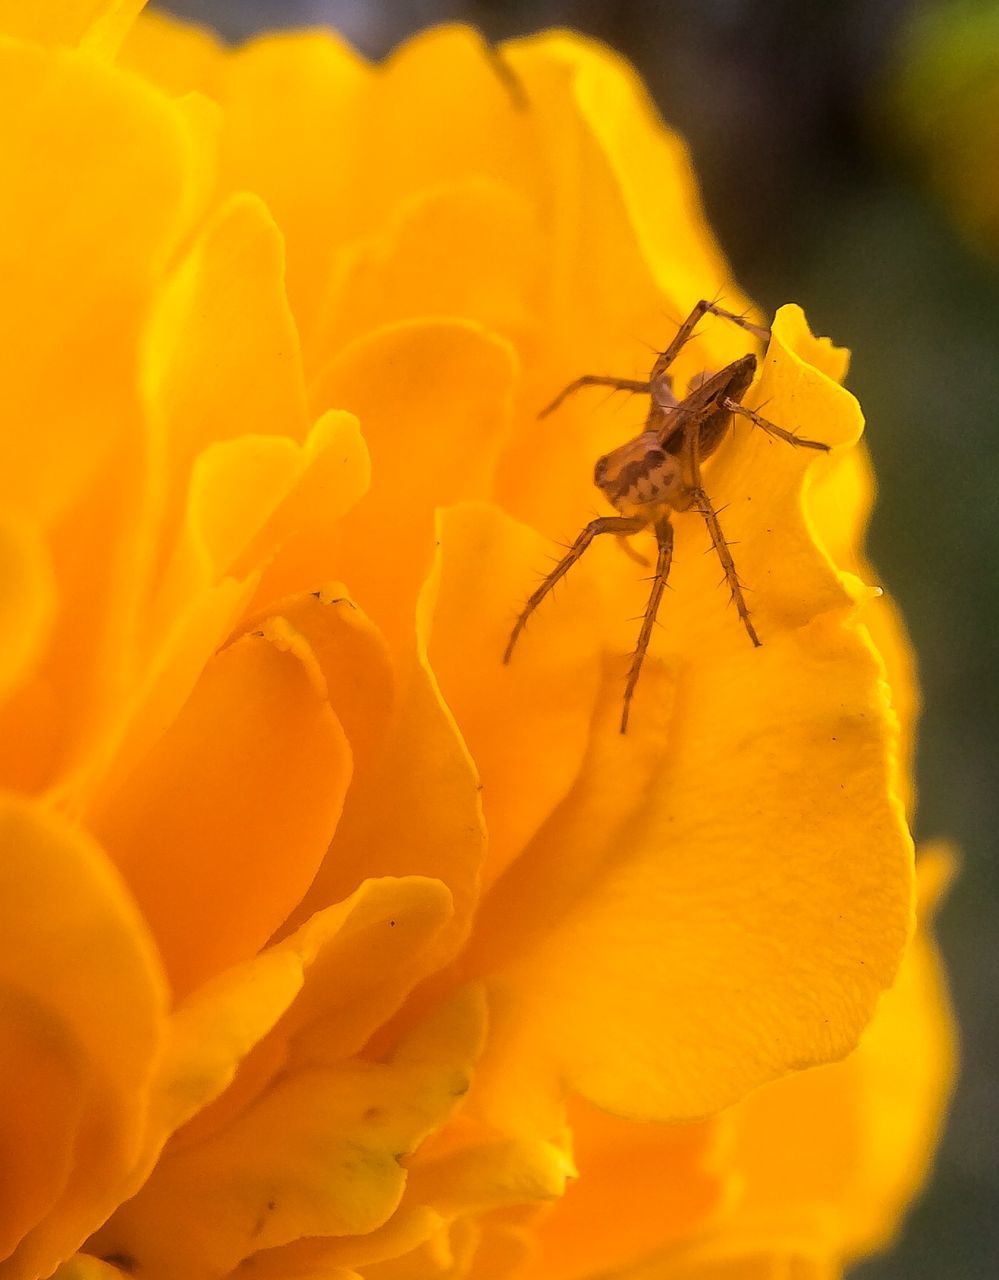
664, 536
508, 78
683, 334
771, 428
702, 503
595, 380
697, 498
603, 524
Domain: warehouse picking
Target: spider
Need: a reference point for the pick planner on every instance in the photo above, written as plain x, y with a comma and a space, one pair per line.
659, 472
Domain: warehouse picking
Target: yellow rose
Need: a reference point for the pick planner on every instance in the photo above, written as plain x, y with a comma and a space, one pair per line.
277, 325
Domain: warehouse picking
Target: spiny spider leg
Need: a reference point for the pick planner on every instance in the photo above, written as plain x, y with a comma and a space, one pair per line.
595, 380
771, 428
664, 536
702, 503
699, 499
604, 524
683, 334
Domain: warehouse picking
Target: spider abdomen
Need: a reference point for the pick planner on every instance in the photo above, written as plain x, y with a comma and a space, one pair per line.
639, 478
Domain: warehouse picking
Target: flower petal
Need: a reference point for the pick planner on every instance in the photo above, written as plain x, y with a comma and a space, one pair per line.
99, 25
693, 837
838, 503
426, 450
838, 1153
526, 724
223, 311
178, 56
640, 1186
469, 248
87, 1002
27, 601
358, 959
416, 811
317, 1258
94, 166
328, 984
96, 170
318, 1155
285, 100
292, 538
295, 544
263, 767
762, 1255
647, 163
609, 292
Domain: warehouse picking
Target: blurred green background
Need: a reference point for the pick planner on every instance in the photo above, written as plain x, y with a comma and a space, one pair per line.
849, 158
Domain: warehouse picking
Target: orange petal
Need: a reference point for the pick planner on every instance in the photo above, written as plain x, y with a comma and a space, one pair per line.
639, 1187
96, 169
82, 1266
427, 450
838, 502
99, 25
319, 1154
469, 248
87, 1007
288, 527
296, 544
228, 1040
355, 962
286, 98
44, 1082
316, 1259
692, 837
263, 767
415, 812
94, 166
361, 679
27, 602
840, 1152
486, 1174
607, 179
745, 1256
643, 166
525, 723
179, 57
223, 311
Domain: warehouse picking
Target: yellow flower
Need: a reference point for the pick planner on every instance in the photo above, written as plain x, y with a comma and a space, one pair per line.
276, 328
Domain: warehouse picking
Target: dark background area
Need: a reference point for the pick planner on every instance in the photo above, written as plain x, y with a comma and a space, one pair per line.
809, 187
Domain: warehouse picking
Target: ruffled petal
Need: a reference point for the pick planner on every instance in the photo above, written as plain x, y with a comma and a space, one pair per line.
319, 1154
639, 1188
838, 1153
97, 25
96, 171
426, 450
28, 599
525, 723
263, 767
178, 56
84, 1003
715, 810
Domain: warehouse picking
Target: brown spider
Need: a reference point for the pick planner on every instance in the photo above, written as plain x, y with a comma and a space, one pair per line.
659, 472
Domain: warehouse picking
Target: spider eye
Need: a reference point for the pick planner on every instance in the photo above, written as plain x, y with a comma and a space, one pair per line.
600, 471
